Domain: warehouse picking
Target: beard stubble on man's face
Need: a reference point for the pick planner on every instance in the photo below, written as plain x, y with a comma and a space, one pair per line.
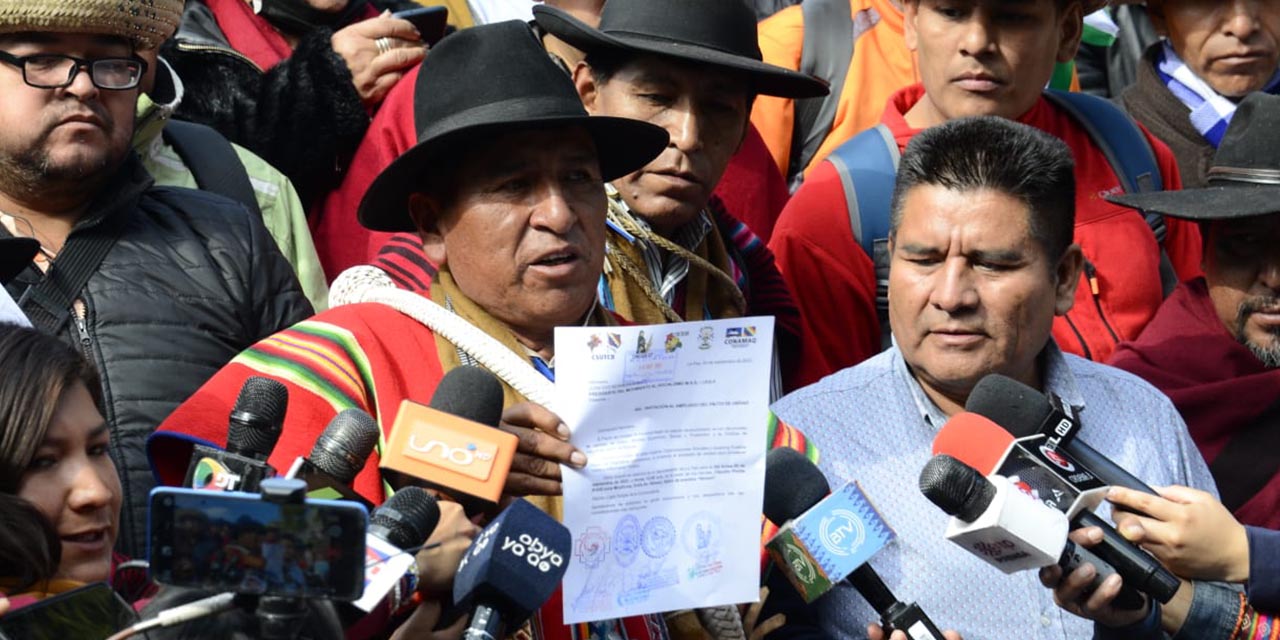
1268, 353
33, 169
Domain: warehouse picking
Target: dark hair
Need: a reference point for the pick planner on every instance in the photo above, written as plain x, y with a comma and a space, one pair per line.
30, 550
37, 369
989, 152
321, 621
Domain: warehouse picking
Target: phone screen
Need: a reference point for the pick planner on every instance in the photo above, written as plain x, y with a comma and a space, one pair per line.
238, 542
91, 612
430, 22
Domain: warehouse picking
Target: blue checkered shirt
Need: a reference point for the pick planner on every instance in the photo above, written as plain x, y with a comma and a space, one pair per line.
874, 424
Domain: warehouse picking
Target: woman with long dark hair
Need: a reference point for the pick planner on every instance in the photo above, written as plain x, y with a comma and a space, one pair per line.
60, 502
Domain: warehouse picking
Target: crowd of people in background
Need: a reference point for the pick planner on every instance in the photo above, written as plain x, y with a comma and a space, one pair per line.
1081, 195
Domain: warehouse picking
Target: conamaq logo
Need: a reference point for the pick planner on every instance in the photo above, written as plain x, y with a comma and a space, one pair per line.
842, 532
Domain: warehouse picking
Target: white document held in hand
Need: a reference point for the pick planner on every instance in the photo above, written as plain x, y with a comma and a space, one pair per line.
674, 420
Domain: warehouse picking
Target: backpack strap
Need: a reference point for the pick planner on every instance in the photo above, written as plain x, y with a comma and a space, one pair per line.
826, 54
1128, 152
48, 303
868, 167
212, 161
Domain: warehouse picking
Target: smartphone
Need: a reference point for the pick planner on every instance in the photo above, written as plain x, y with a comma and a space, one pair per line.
91, 612
429, 21
232, 541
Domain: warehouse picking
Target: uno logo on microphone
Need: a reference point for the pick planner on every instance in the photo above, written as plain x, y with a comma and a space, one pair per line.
451, 449
448, 452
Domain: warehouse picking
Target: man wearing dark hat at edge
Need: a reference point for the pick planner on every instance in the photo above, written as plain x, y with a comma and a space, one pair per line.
694, 69
1214, 345
506, 189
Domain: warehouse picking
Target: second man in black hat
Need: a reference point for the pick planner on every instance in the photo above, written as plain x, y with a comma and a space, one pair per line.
692, 68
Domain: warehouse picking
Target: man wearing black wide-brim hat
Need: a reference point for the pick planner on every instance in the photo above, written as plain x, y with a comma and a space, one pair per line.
1214, 345
692, 68
506, 189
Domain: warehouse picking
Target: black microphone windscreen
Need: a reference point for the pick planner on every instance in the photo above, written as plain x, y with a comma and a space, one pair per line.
957, 488
257, 417
344, 447
471, 393
407, 518
1018, 408
792, 484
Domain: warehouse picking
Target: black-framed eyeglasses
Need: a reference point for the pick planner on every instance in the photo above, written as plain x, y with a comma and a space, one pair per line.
54, 71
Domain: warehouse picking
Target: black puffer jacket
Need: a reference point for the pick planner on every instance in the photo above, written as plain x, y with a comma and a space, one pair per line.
303, 115
192, 280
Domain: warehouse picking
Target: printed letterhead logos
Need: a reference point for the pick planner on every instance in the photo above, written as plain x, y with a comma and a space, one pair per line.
740, 336
672, 343
643, 344
604, 346
443, 447
705, 336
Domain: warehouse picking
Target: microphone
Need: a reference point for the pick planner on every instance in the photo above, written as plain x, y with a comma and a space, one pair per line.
253, 428
1007, 528
447, 447
990, 450
404, 521
1023, 411
514, 566
338, 455
813, 548
1052, 476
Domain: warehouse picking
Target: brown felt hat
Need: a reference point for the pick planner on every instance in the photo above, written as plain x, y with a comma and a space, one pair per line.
145, 22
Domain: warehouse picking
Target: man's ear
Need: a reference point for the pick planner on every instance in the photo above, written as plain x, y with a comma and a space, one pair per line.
1071, 29
1066, 277
588, 90
910, 11
426, 214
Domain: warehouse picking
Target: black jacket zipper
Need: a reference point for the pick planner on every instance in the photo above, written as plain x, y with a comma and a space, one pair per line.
86, 344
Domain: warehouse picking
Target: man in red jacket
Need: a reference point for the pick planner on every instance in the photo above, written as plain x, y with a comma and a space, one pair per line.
982, 57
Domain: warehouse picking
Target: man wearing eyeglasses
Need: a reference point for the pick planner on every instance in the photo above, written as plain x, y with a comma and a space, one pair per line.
158, 286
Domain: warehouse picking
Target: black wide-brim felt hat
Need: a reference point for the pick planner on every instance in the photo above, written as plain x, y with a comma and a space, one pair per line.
720, 33
1244, 179
15, 255
486, 81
